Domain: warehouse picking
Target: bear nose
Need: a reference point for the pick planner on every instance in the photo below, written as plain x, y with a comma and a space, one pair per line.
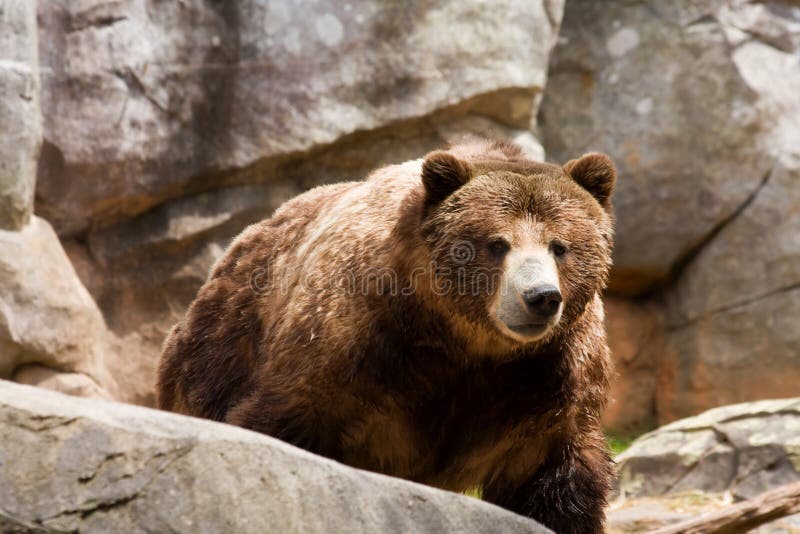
543, 300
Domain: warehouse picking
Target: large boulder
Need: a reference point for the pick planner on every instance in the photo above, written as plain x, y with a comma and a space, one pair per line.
734, 309
187, 96
744, 449
20, 133
47, 317
70, 464
707, 462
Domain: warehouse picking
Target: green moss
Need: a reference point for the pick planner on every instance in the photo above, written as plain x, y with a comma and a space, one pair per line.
476, 493
618, 444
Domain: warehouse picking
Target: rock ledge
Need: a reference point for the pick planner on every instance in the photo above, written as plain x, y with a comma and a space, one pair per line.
70, 464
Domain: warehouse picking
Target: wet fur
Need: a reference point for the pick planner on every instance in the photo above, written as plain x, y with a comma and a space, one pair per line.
415, 385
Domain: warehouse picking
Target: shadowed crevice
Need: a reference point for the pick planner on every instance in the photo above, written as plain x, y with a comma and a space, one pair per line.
746, 302
689, 257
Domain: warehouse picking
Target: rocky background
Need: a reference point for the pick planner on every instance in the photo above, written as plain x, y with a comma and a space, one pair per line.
138, 137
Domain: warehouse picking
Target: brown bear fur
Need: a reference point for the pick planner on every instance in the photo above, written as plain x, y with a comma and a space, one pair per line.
307, 331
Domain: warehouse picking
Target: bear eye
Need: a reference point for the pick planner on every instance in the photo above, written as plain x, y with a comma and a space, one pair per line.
558, 249
499, 246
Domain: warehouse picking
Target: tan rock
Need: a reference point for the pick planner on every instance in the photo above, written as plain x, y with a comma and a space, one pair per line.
46, 315
635, 336
68, 383
746, 352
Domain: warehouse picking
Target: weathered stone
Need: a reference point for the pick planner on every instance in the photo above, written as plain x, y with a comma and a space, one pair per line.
744, 449
756, 256
745, 352
243, 86
635, 336
72, 464
46, 315
67, 383
20, 119
766, 227
708, 462
663, 89
734, 311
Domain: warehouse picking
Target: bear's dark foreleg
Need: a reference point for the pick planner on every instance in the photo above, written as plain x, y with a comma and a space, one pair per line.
567, 494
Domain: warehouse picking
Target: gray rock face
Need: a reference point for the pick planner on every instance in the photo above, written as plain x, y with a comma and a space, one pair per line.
755, 255
20, 133
656, 86
47, 316
247, 85
744, 449
71, 464
734, 312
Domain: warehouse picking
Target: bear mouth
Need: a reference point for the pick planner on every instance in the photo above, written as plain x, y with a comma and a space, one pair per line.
529, 330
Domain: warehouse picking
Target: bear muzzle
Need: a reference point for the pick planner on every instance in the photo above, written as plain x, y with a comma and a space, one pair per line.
530, 302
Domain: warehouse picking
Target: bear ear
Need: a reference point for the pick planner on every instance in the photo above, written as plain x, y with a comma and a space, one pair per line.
442, 174
596, 173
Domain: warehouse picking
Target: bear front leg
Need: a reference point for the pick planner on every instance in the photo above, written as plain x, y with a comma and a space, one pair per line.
567, 493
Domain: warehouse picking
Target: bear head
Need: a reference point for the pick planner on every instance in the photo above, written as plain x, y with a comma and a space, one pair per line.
518, 248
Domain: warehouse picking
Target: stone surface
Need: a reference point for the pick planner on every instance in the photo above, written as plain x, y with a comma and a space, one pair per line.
635, 335
21, 130
707, 462
744, 449
72, 464
221, 94
67, 383
47, 317
755, 257
733, 314
665, 88
742, 353
733, 311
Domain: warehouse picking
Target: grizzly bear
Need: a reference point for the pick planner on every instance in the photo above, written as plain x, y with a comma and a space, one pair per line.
439, 321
